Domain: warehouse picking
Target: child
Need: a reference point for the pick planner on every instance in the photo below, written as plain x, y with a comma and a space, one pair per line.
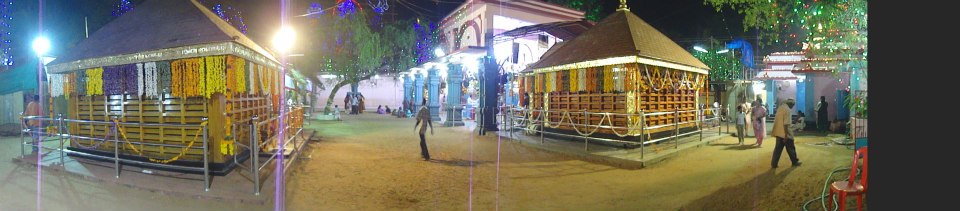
336, 112
741, 122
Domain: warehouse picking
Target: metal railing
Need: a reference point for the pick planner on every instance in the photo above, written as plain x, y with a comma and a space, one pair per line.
62, 134
536, 121
295, 120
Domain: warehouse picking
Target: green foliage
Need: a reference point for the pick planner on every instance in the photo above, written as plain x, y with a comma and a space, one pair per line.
592, 8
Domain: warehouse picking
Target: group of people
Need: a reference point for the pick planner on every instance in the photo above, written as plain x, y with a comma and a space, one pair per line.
354, 101
381, 110
783, 128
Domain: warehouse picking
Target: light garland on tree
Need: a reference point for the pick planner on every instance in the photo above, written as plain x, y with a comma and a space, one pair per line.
121, 7
6, 34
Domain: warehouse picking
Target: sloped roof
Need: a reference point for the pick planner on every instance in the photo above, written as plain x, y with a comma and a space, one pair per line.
619, 35
563, 30
158, 25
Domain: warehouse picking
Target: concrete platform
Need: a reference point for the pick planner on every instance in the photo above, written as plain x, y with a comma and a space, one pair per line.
595, 152
237, 186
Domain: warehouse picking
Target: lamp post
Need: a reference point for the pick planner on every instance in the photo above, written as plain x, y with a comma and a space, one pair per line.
283, 42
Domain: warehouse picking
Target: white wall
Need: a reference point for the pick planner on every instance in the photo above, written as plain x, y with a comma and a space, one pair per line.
382, 91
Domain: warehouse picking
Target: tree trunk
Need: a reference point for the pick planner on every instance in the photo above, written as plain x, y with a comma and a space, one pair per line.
333, 93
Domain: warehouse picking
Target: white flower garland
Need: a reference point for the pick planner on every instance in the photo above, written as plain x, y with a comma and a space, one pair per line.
56, 84
151, 82
140, 80
251, 88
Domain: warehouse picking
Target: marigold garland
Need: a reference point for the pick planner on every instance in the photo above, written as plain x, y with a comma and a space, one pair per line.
236, 75
608, 79
215, 78
94, 83
551, 82
188, 77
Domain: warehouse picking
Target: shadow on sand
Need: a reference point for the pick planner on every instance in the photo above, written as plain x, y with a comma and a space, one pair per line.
745, 196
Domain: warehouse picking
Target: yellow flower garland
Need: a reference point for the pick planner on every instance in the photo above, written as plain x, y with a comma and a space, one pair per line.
574, 81
94, 81
215, 78
608, 79
188, 77
236, 75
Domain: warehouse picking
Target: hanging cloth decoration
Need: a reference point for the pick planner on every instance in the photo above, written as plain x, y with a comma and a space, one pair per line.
165, 77
215, 76
150, 80
94, 83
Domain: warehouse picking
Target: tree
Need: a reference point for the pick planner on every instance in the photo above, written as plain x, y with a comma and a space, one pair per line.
832, 31
592, 8
353, 51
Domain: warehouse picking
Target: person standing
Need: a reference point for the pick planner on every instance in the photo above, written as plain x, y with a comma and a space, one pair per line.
346, 101
336, 112
822, 119
33, 109
741, 122
354, 105
781, 130
759, 116
423, 120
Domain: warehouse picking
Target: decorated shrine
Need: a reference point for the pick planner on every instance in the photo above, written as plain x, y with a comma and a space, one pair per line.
622, 66
169, 62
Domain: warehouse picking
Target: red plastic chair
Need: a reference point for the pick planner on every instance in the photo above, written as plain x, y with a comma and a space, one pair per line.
851, 187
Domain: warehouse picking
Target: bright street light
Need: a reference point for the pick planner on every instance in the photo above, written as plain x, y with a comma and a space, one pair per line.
698, 48
41, 45
723, 51
283, 41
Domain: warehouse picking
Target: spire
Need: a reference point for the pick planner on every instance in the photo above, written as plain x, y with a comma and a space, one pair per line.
623, 6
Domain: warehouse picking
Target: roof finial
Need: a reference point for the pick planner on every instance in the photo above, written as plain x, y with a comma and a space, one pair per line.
623, 6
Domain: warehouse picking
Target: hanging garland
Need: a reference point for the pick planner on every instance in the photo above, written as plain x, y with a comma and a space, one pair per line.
150, 80
94, 81
68, 87
112, 80
551, 82
56, 84
619, 77
215, 77
574, 81
165, 77
608, 79
581, 82
563, 78
81, 82
251, 88
140, 75
264, 83
590, 79
236, 75
188, 77
631, 77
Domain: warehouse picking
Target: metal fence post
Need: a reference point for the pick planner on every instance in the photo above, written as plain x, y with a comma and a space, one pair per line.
116, 145
542, 124
676, 126
22, 152
206, 162
60, 134
585, 142
643, 125
700, 122
255, 154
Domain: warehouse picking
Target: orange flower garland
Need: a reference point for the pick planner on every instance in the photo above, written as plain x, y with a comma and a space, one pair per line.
188, 77
236, 75
215, 77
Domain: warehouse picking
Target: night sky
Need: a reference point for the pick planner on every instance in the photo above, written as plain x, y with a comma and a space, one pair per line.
687, 22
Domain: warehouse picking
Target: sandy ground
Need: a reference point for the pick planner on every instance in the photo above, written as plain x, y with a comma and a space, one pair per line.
372, 162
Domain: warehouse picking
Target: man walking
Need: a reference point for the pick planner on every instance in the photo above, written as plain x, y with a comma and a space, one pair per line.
781, 125
423, 120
